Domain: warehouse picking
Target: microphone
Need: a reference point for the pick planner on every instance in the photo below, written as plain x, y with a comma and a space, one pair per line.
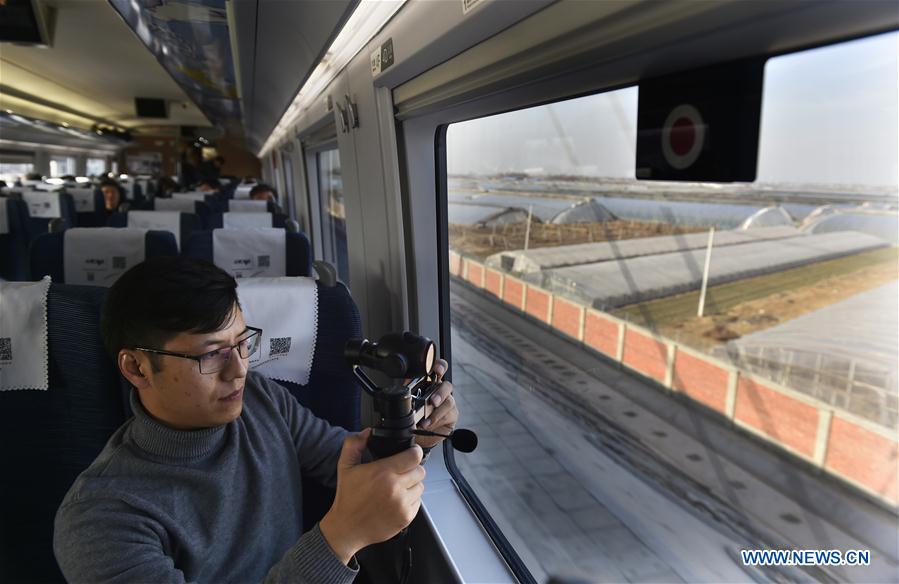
462, 440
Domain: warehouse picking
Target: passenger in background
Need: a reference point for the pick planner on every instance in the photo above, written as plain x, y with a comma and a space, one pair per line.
165, 187
212, 169
209, 186
190, 163
113, 199
204, 482
263, 192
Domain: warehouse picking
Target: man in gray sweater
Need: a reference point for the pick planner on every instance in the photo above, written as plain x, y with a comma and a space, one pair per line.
203, 483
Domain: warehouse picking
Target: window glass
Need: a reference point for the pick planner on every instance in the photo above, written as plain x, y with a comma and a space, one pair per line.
577, 308
10, 172
62, 165
330, 189
96, 166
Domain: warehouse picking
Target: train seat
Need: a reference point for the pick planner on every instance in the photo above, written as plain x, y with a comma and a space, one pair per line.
48, 437
48, 254
200, 208
180, 224
14, 238
90, 210
222, 247
238, 220
331, 390
250, 206
46, 207
132, 192
214, 202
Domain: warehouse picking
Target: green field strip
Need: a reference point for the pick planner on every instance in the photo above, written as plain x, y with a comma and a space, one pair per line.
674, 310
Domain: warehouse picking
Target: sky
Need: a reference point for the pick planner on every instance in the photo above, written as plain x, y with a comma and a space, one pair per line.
829, 116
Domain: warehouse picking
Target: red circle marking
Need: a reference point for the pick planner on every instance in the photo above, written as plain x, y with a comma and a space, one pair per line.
683, 136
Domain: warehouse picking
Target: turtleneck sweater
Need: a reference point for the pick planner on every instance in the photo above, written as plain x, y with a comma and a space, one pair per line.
220, 504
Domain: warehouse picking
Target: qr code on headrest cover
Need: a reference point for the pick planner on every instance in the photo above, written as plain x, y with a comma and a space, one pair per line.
5, 349
263, 261
118, 263
279, 346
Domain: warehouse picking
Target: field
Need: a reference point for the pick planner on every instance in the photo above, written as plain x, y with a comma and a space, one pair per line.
480, 242
739, 308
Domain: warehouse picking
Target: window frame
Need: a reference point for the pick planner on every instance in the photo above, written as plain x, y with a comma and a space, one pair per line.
424, 160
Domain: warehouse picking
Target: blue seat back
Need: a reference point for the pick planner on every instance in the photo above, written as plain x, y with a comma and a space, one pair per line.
95, 218
190, 222
299, 253
40, 225
48, 252
48, 437
333, 393
14, 245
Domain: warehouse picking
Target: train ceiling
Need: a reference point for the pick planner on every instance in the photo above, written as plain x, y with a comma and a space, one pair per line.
90, 74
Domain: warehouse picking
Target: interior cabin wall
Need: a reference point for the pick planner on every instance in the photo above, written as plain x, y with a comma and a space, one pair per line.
165, 146
239, 161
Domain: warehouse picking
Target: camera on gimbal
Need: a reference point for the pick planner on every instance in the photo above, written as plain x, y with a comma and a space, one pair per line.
401, 406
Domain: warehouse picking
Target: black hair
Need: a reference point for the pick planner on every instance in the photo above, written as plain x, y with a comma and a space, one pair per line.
162, 297
108, 182
211, 182
263, 188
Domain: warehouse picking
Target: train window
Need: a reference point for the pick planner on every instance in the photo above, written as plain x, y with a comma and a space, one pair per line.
95, 166
62, 165
333, 212
10, 172
567, 270
287, 197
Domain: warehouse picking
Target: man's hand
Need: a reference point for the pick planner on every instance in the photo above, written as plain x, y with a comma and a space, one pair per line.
443, 419
375, 500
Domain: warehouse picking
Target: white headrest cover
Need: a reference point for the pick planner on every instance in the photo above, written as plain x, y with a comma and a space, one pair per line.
163, 220
243, 191
190, 196
247, 206
250, 253
97, 256
43, 205
84, 199
23, 335
180, 205
286, 309
244, 220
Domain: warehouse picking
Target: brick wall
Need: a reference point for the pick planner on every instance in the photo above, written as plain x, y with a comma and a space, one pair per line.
513, 292
568, 317
601, 333
703, 381
784, 419
493, 282
475, 273
647, 355
538, 303
865, 457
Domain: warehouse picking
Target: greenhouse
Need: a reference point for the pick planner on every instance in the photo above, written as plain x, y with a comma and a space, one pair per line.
484, 215
612, 284
689, 213
883, 224
543, 208
536, 260
585, 212
846, 354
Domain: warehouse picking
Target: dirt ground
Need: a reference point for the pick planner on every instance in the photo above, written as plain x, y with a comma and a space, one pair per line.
739, 308
481, 242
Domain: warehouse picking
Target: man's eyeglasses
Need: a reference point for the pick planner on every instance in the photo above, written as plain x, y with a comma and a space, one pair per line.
215, 361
